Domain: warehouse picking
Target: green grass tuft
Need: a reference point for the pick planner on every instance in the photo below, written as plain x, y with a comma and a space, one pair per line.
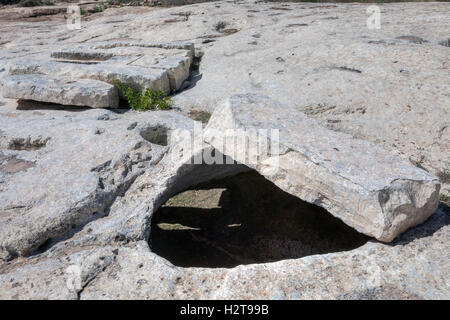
444, 198
97, 9
30, 3
150, 100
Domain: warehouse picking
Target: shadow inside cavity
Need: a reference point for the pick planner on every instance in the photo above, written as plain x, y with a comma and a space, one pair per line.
30, 105
27, 105
241, 220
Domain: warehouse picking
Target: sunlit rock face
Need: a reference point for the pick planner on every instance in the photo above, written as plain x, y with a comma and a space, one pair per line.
106, 203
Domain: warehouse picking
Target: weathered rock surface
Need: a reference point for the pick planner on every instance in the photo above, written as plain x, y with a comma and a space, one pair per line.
373, 190
70, 168
383, 85
106, 173
80, 166
78, 188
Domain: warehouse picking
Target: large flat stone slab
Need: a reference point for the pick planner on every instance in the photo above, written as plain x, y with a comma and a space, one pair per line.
156, 66
138, 77
79, 92
371, 189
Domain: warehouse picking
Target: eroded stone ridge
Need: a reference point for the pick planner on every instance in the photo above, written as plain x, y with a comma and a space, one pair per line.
371, 189
92, 69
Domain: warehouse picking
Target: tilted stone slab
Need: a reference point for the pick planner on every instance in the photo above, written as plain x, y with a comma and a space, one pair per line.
66, 91
373, 190
156, 66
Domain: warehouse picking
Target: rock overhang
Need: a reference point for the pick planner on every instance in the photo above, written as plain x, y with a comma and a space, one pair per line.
120, 232
381, 195
374, 190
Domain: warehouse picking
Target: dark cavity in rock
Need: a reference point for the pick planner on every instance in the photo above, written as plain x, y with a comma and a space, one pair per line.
344, 68
156, 135
412, 39
291, 25
445, 43
14, 165
244, 219
280, 8
27, 143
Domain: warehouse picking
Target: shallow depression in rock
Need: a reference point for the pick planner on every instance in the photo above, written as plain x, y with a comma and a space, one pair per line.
244, 219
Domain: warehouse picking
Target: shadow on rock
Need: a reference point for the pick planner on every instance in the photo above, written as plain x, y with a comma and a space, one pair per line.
27, 105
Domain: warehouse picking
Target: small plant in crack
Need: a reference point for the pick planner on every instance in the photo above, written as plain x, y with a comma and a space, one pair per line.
199, 115
444, 176
30, 3
220, 25
445, 199
97, 9
149, 100
419, 163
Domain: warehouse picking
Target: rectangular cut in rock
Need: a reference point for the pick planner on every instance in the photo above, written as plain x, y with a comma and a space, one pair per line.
178, 69
85, 55
143, 44
66, 91
373, 190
